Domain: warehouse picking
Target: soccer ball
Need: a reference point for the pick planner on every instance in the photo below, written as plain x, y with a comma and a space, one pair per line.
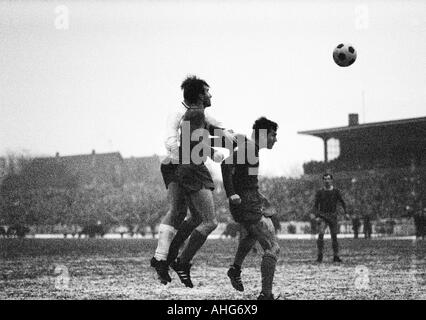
344, 55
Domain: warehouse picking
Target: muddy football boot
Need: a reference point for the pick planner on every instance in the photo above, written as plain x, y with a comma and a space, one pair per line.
162, 270
183, 271
234, 275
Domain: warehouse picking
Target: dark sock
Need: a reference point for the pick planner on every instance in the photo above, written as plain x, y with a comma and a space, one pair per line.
195, 242
183, 233
244, 247
267, 269
320, 244
335, 245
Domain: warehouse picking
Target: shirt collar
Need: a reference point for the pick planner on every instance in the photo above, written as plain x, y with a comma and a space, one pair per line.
188, 107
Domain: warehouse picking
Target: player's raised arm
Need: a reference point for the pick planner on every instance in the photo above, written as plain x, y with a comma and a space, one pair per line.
223, 138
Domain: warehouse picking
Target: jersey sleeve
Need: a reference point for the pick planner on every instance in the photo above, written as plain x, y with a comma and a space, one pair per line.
225, 138
317, 201
228, 171
171, 141
340, 199
212, 121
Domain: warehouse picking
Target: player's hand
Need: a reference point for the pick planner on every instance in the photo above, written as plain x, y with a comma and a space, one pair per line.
235, 199
265, 200
218, 156
229, 134
312, 216
269, 212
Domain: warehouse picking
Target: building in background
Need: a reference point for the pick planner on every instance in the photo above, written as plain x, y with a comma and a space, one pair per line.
378, 145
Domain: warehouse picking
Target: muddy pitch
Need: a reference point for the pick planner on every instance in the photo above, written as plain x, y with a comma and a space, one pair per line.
119, 269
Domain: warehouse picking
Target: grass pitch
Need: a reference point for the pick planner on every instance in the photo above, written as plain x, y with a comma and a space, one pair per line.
119, 269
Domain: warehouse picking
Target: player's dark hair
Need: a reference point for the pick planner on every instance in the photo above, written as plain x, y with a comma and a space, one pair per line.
192, 87
325, 175
264, 123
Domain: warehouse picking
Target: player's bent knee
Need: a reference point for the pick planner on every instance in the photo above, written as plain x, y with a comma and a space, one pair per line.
178, 219
272, 253
176, 223
207, 227
195, 220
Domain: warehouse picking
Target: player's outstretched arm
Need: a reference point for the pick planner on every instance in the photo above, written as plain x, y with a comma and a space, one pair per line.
223, 138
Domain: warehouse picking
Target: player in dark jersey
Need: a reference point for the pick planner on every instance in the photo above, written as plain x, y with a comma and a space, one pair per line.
195, 180
325, 206
246, 203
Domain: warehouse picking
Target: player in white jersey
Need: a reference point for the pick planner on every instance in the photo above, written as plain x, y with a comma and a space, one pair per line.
174, 219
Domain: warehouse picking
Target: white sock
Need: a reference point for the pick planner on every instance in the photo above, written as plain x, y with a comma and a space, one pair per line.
166, 234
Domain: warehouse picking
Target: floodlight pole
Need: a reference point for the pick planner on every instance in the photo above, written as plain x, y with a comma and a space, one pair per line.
363, 106
325, 150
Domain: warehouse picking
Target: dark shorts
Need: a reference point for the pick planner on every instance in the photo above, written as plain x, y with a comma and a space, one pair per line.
194, 177
330, 220
264, 232
250, 209
168, 171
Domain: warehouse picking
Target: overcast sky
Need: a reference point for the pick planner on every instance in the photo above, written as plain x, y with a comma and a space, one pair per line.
108, 79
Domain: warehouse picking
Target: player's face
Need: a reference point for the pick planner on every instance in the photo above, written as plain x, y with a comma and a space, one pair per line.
327, 181
206, 97
272, 138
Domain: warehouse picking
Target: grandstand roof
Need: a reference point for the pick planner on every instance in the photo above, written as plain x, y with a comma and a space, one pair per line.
86, 166
413, 127
84, 161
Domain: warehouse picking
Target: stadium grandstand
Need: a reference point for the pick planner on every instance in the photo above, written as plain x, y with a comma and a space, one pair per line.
378, 145
62, 194
380, 166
